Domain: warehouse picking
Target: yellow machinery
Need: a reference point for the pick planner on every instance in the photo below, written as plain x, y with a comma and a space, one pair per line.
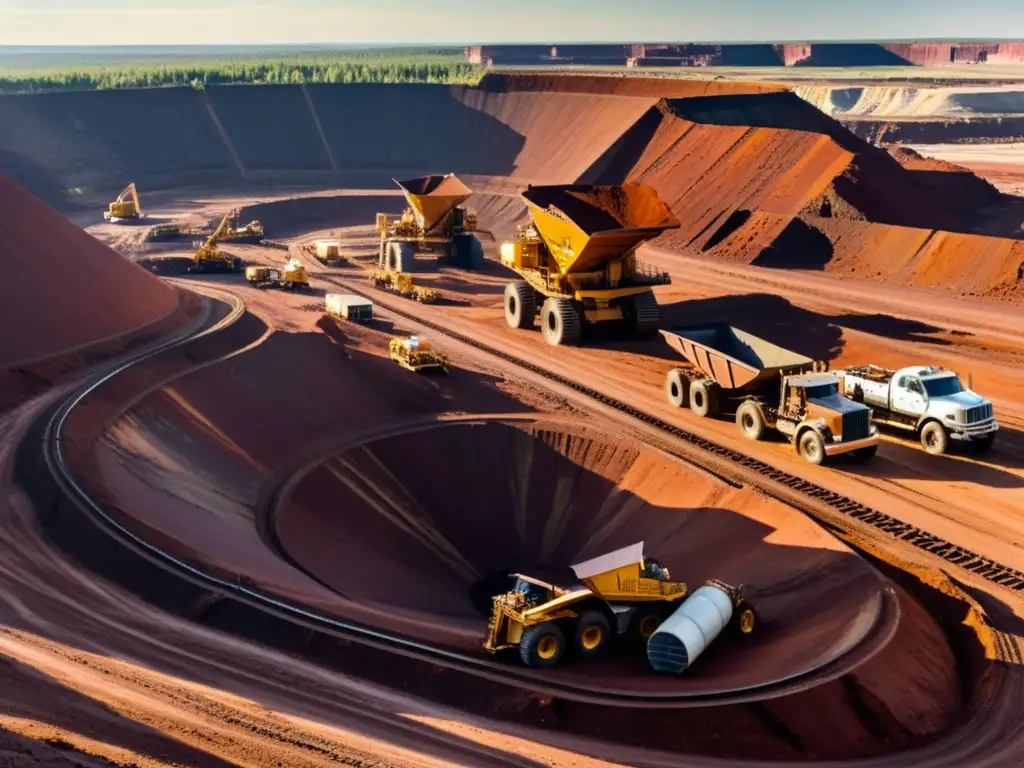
209, 258
434, 221
233, 233
402, 284
126, 207
292, 277
577, 258
622, 593
416, 354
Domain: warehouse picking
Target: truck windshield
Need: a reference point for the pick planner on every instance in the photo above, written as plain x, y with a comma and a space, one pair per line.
823, 390
944, 387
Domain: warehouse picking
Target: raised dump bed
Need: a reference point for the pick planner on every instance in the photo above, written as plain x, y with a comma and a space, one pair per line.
433, 197
434, 221
731, 371
735, 359
584, 226
578, 262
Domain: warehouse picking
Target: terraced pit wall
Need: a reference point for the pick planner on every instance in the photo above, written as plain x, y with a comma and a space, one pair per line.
755, 173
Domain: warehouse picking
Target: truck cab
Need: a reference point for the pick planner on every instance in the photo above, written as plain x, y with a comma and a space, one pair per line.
929, 400
821, 421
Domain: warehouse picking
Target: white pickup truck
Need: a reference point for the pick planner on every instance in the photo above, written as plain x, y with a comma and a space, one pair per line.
932, 402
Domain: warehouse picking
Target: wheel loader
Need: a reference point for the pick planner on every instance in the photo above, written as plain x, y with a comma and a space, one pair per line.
126, 207
622, 594
402, 284
434, 221
292, 277
416, 354
577, 259
209, 258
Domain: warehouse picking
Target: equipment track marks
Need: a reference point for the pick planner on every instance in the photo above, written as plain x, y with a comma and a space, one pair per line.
990, 570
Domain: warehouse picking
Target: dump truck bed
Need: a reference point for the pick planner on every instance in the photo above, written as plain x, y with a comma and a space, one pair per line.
432, 197
734, 359
584, 225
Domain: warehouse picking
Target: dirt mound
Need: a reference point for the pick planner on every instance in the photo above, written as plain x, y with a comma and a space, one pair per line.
62, 288
620, 86
715, 151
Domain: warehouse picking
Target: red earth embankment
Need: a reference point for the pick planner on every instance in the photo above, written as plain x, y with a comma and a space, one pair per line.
62, 289
767, 179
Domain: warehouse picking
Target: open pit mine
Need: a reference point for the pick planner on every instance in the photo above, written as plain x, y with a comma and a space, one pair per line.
402, 472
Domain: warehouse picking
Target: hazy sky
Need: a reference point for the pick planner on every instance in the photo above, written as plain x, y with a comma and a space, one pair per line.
163, 22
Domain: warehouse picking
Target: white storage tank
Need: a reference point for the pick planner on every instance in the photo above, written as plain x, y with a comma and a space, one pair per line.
683, 636
349, 307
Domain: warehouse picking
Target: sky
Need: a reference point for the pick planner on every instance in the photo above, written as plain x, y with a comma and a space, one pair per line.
174, 22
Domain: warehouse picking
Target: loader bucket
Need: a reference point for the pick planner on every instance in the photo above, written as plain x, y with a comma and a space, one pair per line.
585, 226
432, 197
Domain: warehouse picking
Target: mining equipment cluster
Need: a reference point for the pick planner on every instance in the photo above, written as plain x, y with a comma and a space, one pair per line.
621, 595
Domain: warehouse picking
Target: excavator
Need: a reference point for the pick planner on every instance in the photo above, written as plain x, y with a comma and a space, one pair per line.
126, 207
209, 258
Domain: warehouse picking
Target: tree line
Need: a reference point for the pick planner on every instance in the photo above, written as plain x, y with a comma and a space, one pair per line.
360, 67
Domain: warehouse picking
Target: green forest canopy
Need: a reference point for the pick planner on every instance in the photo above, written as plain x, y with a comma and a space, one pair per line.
402, 65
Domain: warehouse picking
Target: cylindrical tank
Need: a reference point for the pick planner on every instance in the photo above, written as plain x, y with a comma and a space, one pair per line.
684, 635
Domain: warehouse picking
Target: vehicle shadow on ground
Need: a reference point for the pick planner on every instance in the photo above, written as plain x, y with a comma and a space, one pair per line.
908, 461
781, 322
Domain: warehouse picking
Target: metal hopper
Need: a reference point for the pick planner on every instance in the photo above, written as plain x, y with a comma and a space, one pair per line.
733, 358
432, 197
585, 225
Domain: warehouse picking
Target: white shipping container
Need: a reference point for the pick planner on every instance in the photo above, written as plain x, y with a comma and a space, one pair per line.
349, 307
328, 249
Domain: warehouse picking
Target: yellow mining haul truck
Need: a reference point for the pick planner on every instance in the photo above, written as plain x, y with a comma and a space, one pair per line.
292, 277
126, 207
577, 258
402, 284
434, 221
209, 258
416, 354
622, 593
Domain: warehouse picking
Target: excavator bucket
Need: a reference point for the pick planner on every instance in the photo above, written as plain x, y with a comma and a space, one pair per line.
432, 197
585, 225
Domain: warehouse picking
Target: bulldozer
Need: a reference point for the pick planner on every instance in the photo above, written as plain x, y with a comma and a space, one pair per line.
623, 594
209, 258
292, 277
577, 259
416, 354
402, 284
434, 221
126, 207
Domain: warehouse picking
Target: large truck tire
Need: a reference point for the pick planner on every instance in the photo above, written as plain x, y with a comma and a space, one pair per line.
750, 420
520, 305
677, 388
593, 631
560, 322
811, 446
542, 646
645, 314
934, 438
701, 396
